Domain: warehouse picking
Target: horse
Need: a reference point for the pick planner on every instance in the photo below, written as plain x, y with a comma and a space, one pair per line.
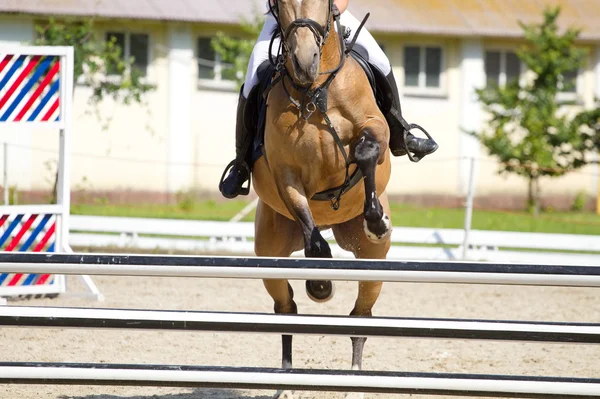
323, 128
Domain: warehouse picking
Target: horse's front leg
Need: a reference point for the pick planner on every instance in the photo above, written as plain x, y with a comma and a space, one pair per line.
294, 196
367, 153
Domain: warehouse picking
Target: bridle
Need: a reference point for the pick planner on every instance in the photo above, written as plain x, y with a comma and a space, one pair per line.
321, 34
315, 99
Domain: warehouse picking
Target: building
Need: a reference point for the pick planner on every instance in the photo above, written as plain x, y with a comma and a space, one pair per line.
183, 136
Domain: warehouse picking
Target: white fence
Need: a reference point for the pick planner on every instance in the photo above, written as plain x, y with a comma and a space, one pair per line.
312, 380
235, 238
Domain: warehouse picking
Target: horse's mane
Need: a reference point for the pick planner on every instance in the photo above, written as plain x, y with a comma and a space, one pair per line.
276, 31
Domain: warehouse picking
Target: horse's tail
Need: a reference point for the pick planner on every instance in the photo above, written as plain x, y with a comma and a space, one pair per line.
320, 290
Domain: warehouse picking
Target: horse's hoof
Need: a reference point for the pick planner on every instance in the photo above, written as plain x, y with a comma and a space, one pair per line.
380, 232
284, 395
320, 291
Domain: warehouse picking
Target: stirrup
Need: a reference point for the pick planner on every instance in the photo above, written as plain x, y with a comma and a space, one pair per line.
244, 165
415, 158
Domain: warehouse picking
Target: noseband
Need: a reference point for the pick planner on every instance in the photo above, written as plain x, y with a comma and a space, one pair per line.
316, 28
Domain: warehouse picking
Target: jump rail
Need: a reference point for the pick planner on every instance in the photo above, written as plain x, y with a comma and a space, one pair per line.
297, 379
48, 317
302, 268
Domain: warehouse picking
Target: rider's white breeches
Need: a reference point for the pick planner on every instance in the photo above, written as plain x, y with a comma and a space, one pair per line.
260, 53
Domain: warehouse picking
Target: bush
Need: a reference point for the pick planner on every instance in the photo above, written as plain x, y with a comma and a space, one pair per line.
579, 202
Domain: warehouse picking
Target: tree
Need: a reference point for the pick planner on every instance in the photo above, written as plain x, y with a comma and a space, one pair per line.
236, 51
98, 64
526, 131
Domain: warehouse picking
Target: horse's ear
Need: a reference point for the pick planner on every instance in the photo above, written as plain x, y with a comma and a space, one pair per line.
335, 11
273, 9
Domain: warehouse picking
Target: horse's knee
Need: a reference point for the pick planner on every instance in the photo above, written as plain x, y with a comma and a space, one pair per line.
367, 150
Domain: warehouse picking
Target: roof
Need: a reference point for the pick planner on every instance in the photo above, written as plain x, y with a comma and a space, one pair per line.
214, 11
475, 17
443, 17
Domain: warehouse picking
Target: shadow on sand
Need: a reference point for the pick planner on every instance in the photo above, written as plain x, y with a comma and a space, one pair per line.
196, 394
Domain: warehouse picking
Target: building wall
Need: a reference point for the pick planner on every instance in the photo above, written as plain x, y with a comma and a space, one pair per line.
15, 31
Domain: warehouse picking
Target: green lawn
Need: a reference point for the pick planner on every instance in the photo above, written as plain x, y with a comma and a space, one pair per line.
402, 215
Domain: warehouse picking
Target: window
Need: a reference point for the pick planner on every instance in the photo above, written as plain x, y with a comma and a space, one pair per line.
210, 66
502, 67
133, 45
423, 67
569, 82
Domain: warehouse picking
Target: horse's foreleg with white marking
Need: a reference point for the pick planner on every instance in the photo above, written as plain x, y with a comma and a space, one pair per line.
367, 153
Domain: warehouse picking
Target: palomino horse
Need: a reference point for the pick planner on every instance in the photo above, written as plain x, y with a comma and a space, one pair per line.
320, 133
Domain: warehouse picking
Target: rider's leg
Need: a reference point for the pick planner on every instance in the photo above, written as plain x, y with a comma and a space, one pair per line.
418, 146
232, 185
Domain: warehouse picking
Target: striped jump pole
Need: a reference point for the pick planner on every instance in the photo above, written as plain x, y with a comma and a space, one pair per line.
36, 93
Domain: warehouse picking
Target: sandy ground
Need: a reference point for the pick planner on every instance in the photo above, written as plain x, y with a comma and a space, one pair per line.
418, 300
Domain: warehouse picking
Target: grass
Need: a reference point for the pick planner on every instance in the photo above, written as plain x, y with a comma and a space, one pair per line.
205, 210
402, 215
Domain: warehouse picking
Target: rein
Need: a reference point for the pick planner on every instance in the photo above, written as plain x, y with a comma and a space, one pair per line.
316, 99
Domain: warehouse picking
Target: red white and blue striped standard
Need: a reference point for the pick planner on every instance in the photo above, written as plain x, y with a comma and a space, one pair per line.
30, 88
27, 233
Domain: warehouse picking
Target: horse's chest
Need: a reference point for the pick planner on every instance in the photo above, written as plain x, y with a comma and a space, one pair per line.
315, 142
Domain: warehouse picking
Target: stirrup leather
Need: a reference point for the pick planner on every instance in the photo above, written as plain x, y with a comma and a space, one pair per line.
244, 165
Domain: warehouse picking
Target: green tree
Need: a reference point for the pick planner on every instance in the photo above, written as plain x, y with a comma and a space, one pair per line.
526, 132
98, 64
236, 51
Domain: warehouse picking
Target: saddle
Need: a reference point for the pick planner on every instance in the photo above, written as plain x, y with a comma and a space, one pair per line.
256, 105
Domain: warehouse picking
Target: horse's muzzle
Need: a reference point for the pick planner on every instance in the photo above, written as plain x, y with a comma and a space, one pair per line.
306, 67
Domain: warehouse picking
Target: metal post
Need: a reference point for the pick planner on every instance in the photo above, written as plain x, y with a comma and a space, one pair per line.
598, 191
245, 212
6, 199
64, 160
469, 209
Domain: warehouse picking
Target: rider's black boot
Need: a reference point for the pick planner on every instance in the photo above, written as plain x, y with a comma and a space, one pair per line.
401, 139
232, 185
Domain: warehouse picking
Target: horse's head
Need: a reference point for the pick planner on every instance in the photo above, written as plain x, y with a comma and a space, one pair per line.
305, 25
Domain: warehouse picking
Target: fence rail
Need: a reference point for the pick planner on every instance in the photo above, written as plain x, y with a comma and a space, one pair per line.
235, 238
297, 379
302, 269
530, 331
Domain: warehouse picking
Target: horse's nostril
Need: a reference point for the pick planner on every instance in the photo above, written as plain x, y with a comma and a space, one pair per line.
315, 55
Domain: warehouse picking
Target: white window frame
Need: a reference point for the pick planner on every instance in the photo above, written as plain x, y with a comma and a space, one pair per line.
127, 49
217, 83
563, 96
421, 89
502, 78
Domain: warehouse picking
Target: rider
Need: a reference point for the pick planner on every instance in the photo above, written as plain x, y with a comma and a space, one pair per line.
231, 186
